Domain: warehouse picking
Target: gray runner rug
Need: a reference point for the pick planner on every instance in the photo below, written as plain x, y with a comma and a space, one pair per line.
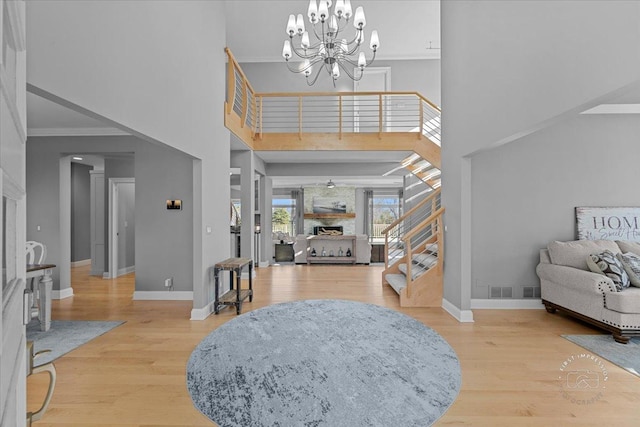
627, 356
323, 363
65, 336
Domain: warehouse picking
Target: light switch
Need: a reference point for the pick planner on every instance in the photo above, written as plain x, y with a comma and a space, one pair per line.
37, 227
209, 229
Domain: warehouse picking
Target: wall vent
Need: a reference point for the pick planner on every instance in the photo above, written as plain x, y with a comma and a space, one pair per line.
527, 292
500, 292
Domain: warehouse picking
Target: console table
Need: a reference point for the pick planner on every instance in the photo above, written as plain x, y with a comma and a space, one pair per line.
331, 244
237, 295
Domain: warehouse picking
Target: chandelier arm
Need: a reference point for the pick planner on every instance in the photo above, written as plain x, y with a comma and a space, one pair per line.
349, 73
318, 71
301, 53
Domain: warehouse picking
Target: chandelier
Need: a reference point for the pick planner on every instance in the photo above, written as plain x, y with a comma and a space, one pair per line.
330, 50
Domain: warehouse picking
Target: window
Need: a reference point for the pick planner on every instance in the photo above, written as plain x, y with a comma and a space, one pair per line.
385, 206
283, 217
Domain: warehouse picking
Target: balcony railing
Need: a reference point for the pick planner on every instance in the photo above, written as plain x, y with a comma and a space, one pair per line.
253, 116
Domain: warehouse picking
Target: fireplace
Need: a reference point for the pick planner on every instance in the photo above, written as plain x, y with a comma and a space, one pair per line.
328, 230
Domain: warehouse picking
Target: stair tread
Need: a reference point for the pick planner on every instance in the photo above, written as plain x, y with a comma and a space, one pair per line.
397, 281
416, 270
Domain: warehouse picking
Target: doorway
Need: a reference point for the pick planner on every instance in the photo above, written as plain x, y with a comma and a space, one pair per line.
375, 79
121, 226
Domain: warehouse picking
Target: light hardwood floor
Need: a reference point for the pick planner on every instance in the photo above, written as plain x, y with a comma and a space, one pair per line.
134, 375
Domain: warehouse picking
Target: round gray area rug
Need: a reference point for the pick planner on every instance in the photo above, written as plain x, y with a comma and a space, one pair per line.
323, 363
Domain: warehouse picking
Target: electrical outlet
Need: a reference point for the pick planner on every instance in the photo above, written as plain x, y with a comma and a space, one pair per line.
168, 283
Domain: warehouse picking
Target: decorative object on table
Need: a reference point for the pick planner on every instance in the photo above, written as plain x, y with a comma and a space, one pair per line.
323, 363
331, 252
349, 252
335, 49
340, 252
313, 252
625, 356
608, 223
323, 253
65, 336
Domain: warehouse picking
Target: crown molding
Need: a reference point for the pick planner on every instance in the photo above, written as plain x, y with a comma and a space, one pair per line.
75, 132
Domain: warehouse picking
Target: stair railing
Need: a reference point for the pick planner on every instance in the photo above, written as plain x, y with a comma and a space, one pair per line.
425, 239
395, 245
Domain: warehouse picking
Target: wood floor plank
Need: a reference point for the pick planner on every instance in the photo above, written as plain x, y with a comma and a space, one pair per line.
134, 375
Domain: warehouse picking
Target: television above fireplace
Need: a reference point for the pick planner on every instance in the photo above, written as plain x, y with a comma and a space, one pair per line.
327, 230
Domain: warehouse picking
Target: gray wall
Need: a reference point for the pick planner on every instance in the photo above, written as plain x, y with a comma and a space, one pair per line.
525, 193
519, 84
80, 212
164, 239
422, 75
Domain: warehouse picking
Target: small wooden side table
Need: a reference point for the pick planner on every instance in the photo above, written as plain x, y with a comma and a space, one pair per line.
237, 295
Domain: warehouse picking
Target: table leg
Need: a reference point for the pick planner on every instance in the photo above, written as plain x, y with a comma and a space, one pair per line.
251, 281
230, 280
216, 285
45, 285
239, 282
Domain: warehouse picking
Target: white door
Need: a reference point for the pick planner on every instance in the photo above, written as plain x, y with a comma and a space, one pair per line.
366, 114
13, 213
121, 226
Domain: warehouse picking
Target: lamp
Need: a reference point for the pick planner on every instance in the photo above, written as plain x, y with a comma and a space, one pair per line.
330, 184
330, 50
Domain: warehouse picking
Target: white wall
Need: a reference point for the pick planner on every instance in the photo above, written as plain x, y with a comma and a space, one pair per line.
530, 190
509, 68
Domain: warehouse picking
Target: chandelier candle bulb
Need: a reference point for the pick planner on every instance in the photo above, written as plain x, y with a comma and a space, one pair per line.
339, 9
347, 9
323, 10
300, 24
305, 40
291, 25
313, 11
359, 20
286, 50
362, 61
375, 42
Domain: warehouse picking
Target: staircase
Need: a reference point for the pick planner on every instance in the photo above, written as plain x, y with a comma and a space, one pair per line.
414, 248
350, 121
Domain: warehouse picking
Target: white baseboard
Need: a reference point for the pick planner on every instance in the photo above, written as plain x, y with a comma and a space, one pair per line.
202, 313
121, 272
507, 304
62, 294
462, 316
163, 295
126, 270
81, 263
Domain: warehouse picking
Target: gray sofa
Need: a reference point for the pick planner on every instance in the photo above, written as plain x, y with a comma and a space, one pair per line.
567, 284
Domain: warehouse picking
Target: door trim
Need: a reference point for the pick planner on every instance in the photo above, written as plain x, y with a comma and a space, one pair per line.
113, 225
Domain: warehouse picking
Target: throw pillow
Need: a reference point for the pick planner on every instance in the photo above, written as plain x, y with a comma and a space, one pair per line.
631, 264
607, 264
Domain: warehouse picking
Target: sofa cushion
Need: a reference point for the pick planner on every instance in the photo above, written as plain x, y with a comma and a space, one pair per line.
574, 254
606, 263
631, 264
629, 246
627, 301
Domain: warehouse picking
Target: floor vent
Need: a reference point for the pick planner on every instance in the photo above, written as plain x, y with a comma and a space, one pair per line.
531, 292
500, 292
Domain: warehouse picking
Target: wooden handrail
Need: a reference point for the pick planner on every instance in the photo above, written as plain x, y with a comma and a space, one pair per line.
342, 94
418, 228
411, 211
237, 66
